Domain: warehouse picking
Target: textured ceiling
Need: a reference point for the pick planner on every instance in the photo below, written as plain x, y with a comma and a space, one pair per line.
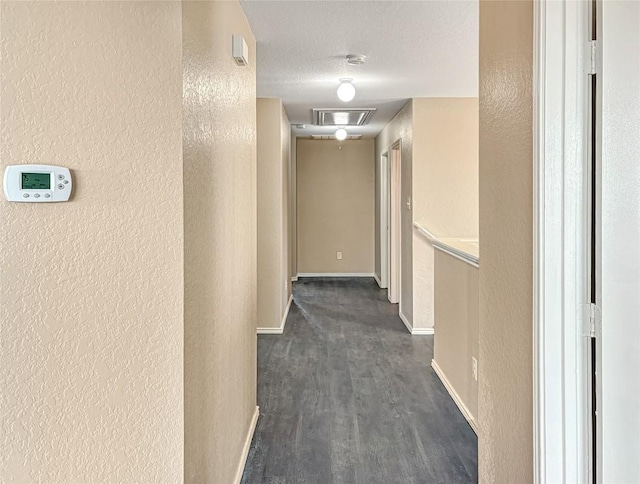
413, 48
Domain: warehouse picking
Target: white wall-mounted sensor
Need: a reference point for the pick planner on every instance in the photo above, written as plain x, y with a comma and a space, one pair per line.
37, 183
240, 50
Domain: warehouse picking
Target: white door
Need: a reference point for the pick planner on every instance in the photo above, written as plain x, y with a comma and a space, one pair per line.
619, 399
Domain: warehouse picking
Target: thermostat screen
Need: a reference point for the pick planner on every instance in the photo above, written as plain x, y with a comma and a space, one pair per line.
36, 181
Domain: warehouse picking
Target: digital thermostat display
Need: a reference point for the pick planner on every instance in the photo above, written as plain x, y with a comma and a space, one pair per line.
36, 181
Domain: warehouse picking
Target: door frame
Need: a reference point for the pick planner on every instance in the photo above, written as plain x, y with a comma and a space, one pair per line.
395, 147
561, 415
385, 219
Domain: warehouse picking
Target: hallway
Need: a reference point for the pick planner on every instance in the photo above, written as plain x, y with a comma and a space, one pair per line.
346, 395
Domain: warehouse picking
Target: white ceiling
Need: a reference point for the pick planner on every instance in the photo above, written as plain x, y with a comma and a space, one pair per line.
424, 48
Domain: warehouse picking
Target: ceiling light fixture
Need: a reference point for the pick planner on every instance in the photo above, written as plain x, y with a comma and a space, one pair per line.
341, 134
346, 90
356, 60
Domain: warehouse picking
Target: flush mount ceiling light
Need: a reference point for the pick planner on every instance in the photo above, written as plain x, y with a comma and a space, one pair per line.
346, 90
341, 134
356, 60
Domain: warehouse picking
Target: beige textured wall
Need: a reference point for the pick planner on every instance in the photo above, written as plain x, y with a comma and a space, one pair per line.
456, 340
505, 366
91, 289
335, 206
445, 186
423, 282
400, 128
220, 241
445, 165
274, 145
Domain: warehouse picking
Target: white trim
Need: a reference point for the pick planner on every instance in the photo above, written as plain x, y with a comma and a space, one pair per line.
406, 322
384, 219
444, 247
270, 330
247, 446
457, 253
286, 311
422, 331
336, 274
280, 329
375, 276
396, 146
455, 397
415, 331
561, 443
294, 278
424, 231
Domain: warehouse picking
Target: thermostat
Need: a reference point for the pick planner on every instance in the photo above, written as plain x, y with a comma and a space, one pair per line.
37, 183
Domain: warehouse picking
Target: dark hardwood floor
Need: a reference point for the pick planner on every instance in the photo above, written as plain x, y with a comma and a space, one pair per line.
346, 395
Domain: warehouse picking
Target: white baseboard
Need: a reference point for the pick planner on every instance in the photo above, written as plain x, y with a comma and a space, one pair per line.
280, 329
286, 312
415, 331
456, 398
336, 274
406, 322
247, 446
375, 276
422, 331
294, 278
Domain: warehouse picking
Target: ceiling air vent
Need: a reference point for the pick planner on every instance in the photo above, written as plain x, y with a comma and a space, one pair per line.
342, 117
327, 137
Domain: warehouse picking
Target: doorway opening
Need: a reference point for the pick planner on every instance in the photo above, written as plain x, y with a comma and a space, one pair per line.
385, 222
394, 236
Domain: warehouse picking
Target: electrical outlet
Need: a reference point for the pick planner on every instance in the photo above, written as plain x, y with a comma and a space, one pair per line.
474, 368
339, 255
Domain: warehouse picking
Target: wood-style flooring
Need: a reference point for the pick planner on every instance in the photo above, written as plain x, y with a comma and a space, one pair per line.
347, 395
